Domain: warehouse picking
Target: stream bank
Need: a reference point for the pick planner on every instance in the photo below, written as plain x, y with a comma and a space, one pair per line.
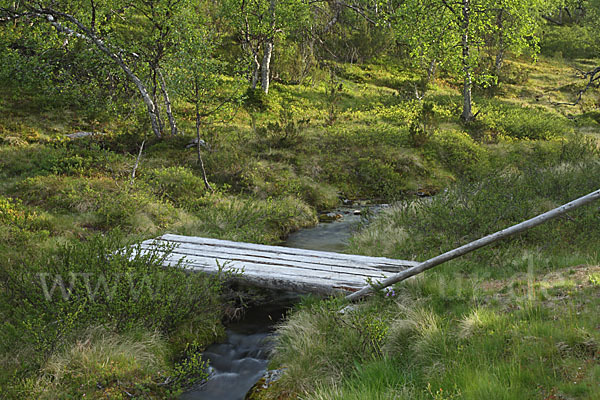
241, 360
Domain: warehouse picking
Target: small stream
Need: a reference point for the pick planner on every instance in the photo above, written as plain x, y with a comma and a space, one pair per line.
239, 362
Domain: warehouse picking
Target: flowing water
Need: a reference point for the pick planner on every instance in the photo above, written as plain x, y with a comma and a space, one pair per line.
239, 362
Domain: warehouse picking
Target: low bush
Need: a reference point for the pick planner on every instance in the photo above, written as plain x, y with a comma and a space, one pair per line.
458, 152
100, 282
179, 185
523, 123
250, 220
569, 41
111, 202
84, 158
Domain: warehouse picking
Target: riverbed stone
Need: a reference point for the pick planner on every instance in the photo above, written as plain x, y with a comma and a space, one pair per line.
260, 391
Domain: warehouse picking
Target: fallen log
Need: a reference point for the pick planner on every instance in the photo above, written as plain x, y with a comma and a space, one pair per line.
467, 248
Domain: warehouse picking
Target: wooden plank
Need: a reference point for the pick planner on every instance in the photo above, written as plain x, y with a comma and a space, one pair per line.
278, 267
357, 260
284, 250
280, 279
268, 256
267, 270
271, 261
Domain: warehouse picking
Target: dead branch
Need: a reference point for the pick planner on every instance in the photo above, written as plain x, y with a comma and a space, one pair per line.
593, 78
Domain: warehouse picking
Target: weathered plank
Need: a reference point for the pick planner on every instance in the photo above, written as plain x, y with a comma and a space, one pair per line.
278, 267
274, 261
349, 260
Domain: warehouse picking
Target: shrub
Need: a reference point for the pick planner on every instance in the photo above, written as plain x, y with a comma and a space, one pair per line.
422, 127
255, 100
79, 159
571, 41
176, 184
251, 220
379, 178
284, 133
100, 282
524, 123
18, 224
458, 152
111, 204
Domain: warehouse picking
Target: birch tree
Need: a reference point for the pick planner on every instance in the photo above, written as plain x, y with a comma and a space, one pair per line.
131, 34
454, 33
259, 24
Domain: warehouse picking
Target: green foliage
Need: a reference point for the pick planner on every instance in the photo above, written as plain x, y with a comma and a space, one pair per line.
255, 100
18, 225
472, 210
422, 128
251, 220
452, 34
523, 123
380, 178
285, 133
99, 282
111, 204
570, 41
178, 185
514, 74
191, 368
458, 152
333, 92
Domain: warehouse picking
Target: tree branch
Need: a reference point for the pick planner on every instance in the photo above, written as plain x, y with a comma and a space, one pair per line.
593, 77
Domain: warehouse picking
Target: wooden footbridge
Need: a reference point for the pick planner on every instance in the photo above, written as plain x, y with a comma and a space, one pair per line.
278, 267
317, 271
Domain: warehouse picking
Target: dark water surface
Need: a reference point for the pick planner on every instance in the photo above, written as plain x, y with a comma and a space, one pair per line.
238, 363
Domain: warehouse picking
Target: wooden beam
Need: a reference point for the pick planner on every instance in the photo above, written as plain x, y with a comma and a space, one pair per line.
467, 248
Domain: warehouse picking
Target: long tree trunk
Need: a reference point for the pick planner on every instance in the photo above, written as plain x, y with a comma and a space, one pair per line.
88, 35
499, 60
168, 109
268, 51
431, 70
500, 53
161, 125
467, 114
256, 70
266, 65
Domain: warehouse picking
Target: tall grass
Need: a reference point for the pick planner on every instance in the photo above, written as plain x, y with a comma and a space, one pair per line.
101, 359
467, 211
512, 322
523, 346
